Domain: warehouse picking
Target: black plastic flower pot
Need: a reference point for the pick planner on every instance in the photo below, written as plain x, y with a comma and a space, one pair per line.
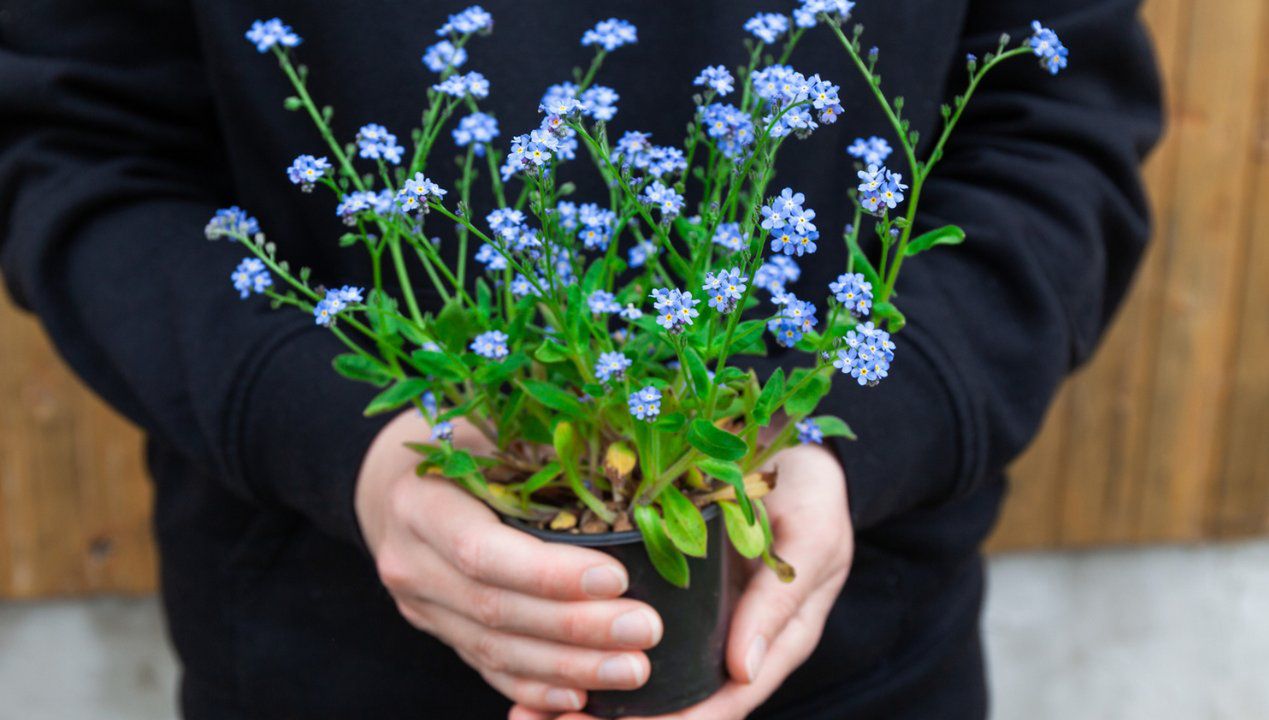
688, 665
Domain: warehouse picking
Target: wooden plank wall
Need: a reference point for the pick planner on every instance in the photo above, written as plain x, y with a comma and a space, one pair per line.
1162, 438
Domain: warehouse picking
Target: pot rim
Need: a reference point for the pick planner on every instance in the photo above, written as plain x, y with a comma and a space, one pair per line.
625, 537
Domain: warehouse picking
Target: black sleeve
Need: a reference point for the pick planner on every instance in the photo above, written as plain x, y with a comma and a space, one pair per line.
1043, 175
109, 170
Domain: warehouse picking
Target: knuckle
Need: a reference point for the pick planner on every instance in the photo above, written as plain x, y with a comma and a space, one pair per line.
572, 627
489, 653
392, 569
470, 556
488, 606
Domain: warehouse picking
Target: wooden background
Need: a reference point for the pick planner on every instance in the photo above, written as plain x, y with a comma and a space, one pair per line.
1163, 438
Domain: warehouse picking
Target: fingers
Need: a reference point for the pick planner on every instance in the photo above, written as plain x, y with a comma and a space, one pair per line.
533, 659
535, 699
472, 539
519, 712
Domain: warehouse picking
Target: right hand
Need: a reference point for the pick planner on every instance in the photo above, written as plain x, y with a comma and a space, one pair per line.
541, 622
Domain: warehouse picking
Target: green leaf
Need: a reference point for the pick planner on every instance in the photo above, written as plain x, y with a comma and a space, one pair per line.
683, 522
553, 397
696, 371
715, 442
438, 364
771, 394
890, 315
671, 422
746, 536
832, 426
397, 395
666, 558
550, 352
782, 569
496, 373
946, 235
540, 479
564, 439
362, 369
730, 473
459, 464
746, 340
484, 299
808, 397
861, 264
453, 327
349, 239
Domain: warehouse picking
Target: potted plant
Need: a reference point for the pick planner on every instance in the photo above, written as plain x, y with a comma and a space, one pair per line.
600, 343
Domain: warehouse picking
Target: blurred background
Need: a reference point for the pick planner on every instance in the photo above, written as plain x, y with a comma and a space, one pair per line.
1127, 577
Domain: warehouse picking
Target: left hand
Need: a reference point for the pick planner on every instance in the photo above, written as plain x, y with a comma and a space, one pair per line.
776, 626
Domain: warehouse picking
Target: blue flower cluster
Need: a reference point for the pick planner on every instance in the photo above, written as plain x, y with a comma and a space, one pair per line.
640, 252
716, 78
777, 272
879, 188
807, 15
611, 366
872, 151
728, 236
664, 198
867, 355
791, 225
635, 150
767, 27
265, 34
335, 302
361, 201
646, 404
414, 195
472, 20
231, 221
809, 432
796, 318
782, 86
595, 223
492, 345
731, 128
611, 34
725, 289
1049, 48
251, 277
478, 129
675, 309
472, 84
602, 302
854, 292
443, 431
444, 56
306, 170
374, 142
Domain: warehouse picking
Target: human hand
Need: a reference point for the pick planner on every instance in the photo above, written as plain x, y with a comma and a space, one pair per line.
541, 622
776, 626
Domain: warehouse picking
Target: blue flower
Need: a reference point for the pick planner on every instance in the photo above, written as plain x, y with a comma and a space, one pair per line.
631, 313
809, 432
472, 20
878, 187
335, 302
521, 287
362, 201
473, 84
728, 236
479, 128
791, 242
596, 225
489, 256
267, 33
725, 289
675, 309
444, 56
871, 151
716, 78
775, 273
602, 302
796, 318
730, 128
428, 401
825, 97
867, 355
780, 85
443, 431
1049, 48
611, 366
231, 221
611, 34
492, 345
854, 292
505, 221
251, 277
767, 27
645, 404
600, 103
416, 192
374, 142
640, 252
665, 199
306, 170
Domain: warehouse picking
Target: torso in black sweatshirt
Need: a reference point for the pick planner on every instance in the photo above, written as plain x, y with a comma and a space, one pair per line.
122, 127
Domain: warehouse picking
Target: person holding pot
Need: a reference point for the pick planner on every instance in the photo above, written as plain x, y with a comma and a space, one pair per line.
308, 572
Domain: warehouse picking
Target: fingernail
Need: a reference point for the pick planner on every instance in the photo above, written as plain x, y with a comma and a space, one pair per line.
603, 581
753, 659
621, 670
566, 699
637, 627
